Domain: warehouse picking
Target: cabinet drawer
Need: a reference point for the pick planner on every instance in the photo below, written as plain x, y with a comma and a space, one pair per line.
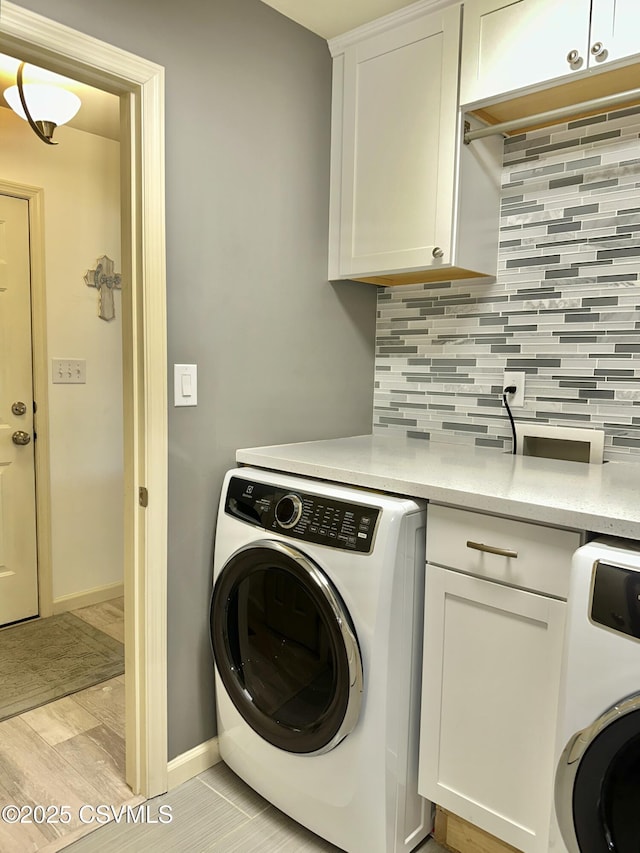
533, 556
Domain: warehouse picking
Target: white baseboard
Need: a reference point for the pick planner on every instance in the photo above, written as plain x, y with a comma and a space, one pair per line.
184, 767
90, 596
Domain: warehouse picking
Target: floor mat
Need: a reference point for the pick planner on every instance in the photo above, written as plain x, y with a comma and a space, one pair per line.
50, 658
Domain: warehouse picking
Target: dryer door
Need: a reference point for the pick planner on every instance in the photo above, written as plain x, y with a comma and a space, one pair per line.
285, 648
598, 784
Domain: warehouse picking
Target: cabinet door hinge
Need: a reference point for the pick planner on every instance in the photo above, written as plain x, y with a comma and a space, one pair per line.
143, 496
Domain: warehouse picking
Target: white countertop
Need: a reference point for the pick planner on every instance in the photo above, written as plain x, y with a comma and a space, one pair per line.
599, 498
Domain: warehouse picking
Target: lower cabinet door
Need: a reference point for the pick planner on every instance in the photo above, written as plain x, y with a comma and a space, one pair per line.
490, 687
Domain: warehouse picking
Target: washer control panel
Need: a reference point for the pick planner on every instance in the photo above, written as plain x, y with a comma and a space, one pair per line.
615, 598
303, 515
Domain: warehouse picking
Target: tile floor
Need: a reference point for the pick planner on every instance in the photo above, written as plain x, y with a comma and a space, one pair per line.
213, 813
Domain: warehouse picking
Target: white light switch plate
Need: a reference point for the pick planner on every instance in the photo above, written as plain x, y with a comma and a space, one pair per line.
185, 384
69, 371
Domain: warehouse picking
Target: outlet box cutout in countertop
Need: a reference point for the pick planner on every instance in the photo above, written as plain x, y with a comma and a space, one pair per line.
553, 442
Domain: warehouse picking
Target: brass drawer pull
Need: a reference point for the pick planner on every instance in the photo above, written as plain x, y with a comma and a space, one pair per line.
491, 549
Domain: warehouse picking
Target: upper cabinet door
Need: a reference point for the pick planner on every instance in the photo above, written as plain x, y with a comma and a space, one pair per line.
615, 31
398, 144
515, 44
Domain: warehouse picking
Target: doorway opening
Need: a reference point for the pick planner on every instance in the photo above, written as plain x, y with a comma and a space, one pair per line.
139, 85
62, 710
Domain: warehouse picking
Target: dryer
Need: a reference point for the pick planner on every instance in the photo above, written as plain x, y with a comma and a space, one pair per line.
597, 790
316, 633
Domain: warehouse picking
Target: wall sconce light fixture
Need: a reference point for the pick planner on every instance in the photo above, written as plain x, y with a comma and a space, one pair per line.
49, 105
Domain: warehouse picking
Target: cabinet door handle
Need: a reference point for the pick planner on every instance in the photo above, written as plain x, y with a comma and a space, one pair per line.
574, 59
491, 549
599, 51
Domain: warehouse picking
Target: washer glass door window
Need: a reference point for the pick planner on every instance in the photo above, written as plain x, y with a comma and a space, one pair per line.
598, 784
598, 778
285, 648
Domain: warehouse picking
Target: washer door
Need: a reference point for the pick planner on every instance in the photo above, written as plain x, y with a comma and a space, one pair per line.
598, 784
285, 648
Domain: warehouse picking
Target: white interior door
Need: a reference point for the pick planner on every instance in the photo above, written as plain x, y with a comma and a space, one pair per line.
18, 554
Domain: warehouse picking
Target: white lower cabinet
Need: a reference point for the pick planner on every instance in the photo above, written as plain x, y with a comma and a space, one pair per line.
491, 676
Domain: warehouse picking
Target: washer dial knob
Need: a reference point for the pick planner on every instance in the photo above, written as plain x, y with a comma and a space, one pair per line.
288, 511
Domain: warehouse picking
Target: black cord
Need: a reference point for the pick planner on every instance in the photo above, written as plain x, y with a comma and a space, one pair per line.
510, 390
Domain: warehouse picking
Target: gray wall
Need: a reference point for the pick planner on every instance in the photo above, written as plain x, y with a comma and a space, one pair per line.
282, 354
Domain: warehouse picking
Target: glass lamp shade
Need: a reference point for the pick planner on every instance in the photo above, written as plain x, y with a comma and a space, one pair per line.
45, 103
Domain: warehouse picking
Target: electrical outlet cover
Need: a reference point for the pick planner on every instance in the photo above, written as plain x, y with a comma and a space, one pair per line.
516, 400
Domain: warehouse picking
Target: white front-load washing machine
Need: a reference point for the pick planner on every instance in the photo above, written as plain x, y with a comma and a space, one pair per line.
597, 790
316, 634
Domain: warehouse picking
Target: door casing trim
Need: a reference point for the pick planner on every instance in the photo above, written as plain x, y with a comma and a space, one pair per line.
140, 85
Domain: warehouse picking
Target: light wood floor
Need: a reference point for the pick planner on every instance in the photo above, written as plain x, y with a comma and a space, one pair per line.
69, 752
107, 617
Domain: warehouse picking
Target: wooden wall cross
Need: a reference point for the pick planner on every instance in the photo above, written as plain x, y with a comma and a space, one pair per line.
105, 280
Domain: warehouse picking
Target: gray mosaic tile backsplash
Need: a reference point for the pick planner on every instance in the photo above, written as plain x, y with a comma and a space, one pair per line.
564, 307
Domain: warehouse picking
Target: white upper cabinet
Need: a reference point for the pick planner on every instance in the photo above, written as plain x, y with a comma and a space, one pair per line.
615, 31
397, 174
511, 45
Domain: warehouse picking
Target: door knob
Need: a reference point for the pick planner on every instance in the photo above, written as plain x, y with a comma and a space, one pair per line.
18, 408
20, 437
437, 252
